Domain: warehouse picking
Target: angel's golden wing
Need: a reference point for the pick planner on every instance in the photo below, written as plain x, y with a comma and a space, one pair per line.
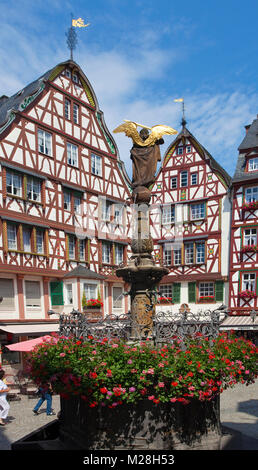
130, 129
157, 132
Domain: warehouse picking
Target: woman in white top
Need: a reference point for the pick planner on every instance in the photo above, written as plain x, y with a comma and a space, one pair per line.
4, 405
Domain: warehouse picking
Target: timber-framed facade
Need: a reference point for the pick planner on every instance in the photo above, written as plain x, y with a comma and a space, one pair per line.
63, 203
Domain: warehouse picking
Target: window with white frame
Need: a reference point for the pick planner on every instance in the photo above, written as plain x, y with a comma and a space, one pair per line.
189, 253
106, 252
197, 211
119, 253
39, 241
206, 289
26, 236
180, 150
253, 164
67, 108
67, 201
32, 294
69, 293
166, 290
90, 290
183, 179
77, 204
177, 256
33, 189
118, 213
200, 252
75, 113
72, 154
117, 297
7, 293
167, 256
82, 250
71, 246
194, 178
12, 236
173, 182
96, 164
106, 209
250, 236
249, 282
44, 142
251, 194
168, 214
188, 149
13, 183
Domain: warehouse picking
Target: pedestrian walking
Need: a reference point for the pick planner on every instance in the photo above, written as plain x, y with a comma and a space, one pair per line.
4, 405
45, 392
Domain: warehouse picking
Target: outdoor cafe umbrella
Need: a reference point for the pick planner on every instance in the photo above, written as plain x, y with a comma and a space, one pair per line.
25, 346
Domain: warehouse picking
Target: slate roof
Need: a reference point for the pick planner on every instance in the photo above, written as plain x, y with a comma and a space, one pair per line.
14, 102
86, 273
247, 148
186, 134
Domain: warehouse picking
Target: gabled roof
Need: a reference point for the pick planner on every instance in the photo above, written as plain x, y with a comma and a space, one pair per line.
186, 134
86, 273
247, 148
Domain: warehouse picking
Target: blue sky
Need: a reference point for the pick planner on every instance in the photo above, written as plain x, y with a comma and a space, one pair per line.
140, 55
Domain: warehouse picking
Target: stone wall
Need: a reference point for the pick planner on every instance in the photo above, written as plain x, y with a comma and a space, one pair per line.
143, 426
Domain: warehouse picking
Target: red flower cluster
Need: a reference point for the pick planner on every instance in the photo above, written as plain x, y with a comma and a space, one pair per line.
247, 294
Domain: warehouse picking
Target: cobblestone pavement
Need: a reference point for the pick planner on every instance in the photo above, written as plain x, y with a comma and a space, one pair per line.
238, 411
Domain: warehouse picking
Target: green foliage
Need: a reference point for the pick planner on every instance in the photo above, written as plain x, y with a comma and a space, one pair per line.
111, 373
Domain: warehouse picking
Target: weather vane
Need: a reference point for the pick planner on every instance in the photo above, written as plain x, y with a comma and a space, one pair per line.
181, 100
71, 34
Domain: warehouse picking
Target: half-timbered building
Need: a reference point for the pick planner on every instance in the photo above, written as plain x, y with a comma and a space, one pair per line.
190, 226
64, 220
243, 291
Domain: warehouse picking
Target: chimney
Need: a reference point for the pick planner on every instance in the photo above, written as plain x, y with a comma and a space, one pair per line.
247, 128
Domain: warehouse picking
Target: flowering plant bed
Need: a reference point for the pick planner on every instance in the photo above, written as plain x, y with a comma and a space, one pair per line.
112, 373
247, 294
247, 248
165, 300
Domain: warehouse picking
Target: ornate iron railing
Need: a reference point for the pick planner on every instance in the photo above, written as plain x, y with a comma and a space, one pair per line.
166, 325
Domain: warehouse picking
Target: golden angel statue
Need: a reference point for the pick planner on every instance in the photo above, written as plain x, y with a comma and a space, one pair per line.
145, 152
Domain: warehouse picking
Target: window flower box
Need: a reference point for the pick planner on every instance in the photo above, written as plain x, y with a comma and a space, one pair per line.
247, 294
93, 304
165, 300
249, 248
206, 298
250, 205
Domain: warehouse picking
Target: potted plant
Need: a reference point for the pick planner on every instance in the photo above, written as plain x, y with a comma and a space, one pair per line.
165, 300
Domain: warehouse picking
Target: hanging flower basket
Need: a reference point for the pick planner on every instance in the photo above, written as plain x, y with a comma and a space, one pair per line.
249, 248
247, 294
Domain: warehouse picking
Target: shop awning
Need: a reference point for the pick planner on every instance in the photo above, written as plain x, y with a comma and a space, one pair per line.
235, 322
25, 346
30, 329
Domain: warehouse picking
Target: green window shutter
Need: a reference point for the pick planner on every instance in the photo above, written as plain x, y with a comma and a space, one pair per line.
219, 288
56, 292
176, 292
191, 292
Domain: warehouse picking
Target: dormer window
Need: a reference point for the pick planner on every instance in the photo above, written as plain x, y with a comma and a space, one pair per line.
253, 164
